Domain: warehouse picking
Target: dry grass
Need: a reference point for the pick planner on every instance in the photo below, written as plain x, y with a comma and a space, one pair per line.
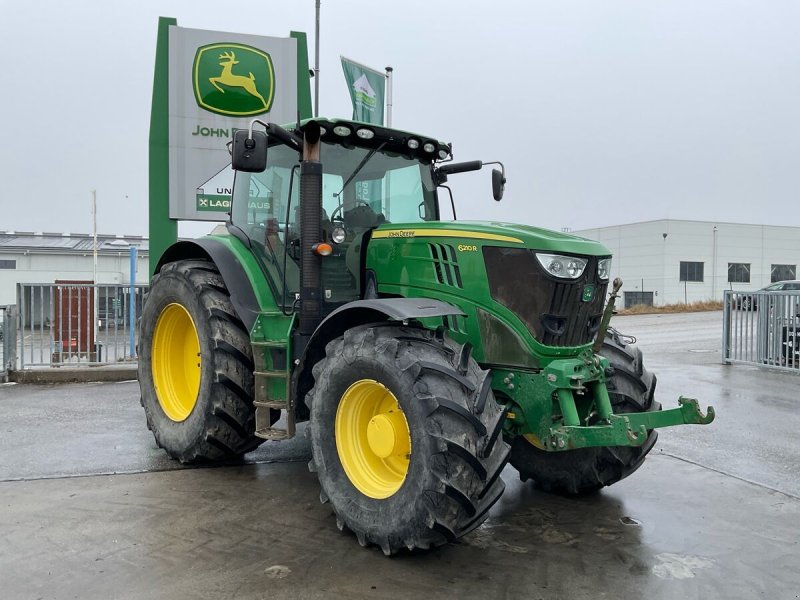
702, 306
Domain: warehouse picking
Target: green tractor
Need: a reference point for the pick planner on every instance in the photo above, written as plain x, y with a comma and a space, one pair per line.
425, 355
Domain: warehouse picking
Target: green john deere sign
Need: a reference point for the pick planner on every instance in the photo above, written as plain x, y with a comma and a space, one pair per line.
233, 79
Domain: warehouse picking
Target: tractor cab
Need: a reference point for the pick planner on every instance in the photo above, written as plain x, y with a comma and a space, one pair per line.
369, 178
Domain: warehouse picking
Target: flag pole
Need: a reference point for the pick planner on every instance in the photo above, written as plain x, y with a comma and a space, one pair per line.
316, 65
388, 124
389, 96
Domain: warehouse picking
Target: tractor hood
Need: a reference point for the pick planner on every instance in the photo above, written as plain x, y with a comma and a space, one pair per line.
514, 310
504, 234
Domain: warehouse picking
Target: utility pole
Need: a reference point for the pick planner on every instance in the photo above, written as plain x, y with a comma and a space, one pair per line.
316, 65
132, 304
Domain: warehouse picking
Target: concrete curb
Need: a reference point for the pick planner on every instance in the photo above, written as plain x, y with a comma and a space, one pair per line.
75, 374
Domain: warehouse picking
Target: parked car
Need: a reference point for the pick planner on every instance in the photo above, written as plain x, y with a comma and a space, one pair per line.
747, 302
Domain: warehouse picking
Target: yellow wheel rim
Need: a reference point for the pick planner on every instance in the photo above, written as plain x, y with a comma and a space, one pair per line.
176, 362
372, 439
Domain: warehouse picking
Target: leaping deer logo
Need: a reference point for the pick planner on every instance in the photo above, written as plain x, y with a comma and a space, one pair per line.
226, 61
233, 79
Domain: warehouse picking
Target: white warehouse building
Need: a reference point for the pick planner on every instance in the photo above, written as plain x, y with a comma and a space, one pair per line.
49, 257
670, 261
665, 261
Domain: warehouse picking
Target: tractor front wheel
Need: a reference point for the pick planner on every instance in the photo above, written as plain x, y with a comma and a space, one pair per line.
406, 437
196, 366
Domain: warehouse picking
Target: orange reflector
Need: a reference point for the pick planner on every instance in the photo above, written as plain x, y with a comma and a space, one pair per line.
322, 249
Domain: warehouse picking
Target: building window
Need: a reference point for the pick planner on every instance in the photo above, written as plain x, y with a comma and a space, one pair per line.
691, 271
783, 272
8, 264
738, 272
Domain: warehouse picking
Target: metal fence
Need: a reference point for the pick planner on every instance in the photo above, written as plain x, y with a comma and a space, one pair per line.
77, 323
762, 328
3, 341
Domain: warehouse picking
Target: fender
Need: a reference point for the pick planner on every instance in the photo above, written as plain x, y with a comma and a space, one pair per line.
372, 310
236, 280
353, 314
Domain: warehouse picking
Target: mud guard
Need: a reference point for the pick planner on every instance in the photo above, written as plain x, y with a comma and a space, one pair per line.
360, 312
233, 274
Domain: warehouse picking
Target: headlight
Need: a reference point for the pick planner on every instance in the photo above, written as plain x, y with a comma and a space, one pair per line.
338, 235
564, 267
604, 268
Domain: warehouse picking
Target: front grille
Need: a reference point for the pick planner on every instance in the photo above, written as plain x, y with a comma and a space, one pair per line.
551, 308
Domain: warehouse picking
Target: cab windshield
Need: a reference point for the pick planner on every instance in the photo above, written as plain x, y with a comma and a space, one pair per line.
361, 189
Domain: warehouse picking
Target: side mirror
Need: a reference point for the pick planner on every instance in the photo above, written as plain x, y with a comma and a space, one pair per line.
249, 153
498, 184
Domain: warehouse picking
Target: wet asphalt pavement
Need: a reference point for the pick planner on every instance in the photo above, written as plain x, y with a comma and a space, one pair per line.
90, 508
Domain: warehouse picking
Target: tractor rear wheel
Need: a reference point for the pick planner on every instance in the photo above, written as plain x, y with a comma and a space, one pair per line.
577, 472
406, 437
196, 366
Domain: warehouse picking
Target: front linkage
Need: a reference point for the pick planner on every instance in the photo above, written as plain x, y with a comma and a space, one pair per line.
579, 413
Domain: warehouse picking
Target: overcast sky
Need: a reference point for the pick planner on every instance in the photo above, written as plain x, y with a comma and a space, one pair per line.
604, 112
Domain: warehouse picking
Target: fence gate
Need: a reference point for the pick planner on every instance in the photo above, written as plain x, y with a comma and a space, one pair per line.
77, 322
8, 339
762, 328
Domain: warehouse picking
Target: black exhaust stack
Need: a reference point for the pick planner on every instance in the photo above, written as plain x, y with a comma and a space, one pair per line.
310, 231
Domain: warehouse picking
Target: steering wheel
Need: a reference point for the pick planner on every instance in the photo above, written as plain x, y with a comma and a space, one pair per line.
340, 208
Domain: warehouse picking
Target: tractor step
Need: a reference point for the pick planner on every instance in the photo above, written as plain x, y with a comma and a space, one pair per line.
270, 344
264, 428
274, 404
274, 435
272, 355
270, 374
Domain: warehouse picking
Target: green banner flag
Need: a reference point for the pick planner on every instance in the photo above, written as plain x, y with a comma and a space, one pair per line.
367, 91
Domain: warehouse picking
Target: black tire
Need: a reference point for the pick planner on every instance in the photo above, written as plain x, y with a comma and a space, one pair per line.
577, 472
457, 450
221, 424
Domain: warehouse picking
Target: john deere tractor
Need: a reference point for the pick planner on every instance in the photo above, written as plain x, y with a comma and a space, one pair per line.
425, 355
